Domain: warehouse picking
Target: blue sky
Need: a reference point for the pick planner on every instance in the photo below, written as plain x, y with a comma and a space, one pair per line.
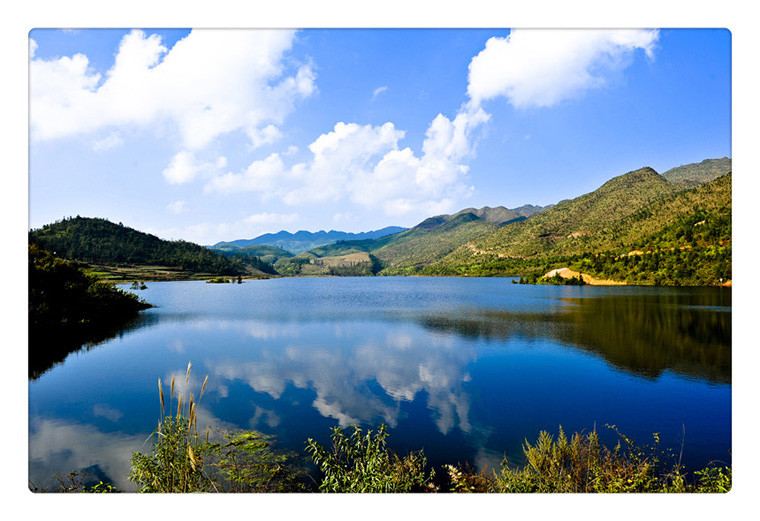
220, 135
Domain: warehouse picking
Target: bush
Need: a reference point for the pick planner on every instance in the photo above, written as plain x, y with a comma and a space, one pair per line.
582, 464
360, 462
183, 461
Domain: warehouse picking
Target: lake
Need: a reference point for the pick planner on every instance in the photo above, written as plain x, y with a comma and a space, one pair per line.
464, 368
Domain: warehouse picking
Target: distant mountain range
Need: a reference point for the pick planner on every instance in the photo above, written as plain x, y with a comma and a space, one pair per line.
303, 240
677, 224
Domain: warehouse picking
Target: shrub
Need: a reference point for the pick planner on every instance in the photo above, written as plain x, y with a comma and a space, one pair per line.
183, 461
582, 464
360, 462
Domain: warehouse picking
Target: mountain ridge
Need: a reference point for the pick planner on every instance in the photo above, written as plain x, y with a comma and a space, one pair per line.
303, 240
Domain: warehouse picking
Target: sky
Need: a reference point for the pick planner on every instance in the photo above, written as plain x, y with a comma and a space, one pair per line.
216, 135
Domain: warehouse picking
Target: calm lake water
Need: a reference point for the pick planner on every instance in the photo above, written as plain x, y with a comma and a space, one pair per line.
464, 368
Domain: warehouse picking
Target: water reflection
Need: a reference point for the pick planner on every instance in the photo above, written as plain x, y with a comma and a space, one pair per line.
69, 445
361, 380
48, 348
644, 335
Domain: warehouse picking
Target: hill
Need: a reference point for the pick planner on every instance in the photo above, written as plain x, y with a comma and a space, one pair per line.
267, 254
557, 230
637, 228
695, 174
101, 242
418, 246
303, 240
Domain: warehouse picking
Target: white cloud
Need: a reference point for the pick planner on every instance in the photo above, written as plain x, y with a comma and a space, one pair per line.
210, 83
261, 175
364, 164
540, 68
176, 207
378, 91
271, 218
211, 233
185, 167
265, 136
112, 140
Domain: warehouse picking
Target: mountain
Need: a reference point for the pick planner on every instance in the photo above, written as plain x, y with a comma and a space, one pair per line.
268, 254
695, 174
303, 240
557, 229
501, 215
498, 215
102, 242
638, 228
418, 246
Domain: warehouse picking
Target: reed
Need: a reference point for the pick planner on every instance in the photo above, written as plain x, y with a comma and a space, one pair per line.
182, 460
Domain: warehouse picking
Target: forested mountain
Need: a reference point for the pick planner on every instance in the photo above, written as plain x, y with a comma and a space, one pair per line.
695, 174
646, 233
303, 240
422, 245
100, 241
558, 229
268, 254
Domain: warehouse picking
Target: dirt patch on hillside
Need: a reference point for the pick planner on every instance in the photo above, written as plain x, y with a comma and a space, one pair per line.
567, 273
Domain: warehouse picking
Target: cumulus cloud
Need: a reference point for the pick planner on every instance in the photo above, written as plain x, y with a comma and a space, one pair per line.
540, 68
185, 167
365, 165
261, 175
210, 83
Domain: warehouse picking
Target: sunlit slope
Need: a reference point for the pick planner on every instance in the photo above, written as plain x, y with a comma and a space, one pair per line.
417, 249
653, 226
560, 229
695, 174
422, 245
696, 222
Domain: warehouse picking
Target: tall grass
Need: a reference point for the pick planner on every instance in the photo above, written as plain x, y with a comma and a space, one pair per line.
182, 460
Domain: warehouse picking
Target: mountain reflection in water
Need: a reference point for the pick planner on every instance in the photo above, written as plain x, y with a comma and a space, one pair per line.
642, 334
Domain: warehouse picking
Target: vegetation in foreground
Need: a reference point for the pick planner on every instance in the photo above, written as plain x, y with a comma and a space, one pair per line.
182, 460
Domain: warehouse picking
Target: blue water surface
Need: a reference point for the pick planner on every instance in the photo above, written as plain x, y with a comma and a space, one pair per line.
465, 368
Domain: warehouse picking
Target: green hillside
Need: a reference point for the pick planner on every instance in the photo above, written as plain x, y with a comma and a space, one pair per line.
637, 229
423, 248
558, 229
102, 242
399, 253
695, 174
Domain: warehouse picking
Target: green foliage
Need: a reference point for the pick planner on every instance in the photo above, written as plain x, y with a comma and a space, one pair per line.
181, 460
581, 464
75, 482
694, 174
360, 462
62, 294
713, 479
175, 462
101, 241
